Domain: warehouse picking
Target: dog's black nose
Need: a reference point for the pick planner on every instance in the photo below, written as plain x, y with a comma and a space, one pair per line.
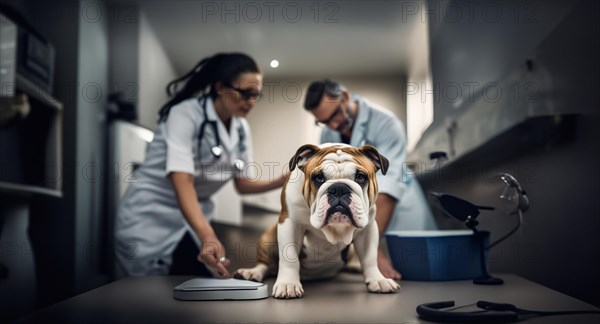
339, 196
338, 189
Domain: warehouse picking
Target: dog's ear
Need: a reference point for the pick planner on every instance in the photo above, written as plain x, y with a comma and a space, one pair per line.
380, 161
303, 154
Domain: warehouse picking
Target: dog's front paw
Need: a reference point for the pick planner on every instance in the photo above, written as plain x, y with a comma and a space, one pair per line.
383, 286
287, 289
254, 274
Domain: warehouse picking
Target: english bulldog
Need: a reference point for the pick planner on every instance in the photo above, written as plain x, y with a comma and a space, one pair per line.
328, 202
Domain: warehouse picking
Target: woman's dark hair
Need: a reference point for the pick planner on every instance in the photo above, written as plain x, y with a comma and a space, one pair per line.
222, 67
317, 89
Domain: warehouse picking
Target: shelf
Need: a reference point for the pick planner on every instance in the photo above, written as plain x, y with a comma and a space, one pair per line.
533, 134
30, 146
26, 190
34, 91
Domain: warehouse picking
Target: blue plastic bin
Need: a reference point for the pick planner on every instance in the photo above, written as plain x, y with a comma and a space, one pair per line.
437, 255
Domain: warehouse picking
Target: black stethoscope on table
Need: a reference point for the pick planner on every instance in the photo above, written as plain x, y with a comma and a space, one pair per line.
488, 312
217, 149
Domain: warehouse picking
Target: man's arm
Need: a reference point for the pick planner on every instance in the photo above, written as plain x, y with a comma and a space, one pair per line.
385, 210
392, 145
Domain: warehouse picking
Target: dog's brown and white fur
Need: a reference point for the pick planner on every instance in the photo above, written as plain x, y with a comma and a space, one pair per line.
328, 202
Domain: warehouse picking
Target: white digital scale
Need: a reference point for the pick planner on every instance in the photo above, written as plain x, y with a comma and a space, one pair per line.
220, 289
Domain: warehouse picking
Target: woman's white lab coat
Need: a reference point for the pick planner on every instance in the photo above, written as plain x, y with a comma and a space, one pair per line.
149, 223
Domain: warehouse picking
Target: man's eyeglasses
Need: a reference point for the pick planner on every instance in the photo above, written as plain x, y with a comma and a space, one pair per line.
247, 94
328, 121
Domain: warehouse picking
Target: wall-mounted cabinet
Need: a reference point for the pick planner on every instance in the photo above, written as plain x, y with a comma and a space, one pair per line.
549, 75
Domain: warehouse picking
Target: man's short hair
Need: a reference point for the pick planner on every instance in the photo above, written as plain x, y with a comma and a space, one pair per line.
317, 89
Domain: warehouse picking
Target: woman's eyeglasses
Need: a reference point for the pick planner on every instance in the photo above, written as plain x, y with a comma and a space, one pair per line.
246, 94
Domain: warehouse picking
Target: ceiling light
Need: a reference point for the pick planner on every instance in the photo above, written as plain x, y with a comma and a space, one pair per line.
274, 63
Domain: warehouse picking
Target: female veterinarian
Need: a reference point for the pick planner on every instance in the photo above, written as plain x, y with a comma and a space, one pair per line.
202, 141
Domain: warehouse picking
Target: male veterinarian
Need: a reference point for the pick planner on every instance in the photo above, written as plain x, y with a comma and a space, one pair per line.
351, 119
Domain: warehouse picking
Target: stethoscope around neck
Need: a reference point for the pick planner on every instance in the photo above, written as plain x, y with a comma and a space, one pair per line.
217, 149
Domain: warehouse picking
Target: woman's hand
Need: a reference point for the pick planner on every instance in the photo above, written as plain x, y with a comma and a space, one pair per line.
212, 254
245, 186
281, 180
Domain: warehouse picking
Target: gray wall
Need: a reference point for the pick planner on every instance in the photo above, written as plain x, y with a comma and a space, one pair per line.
155, 72
124, 51
90, 126
555, 155
139, 66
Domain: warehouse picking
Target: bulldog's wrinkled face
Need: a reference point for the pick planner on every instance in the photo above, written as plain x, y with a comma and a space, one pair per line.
340, 187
